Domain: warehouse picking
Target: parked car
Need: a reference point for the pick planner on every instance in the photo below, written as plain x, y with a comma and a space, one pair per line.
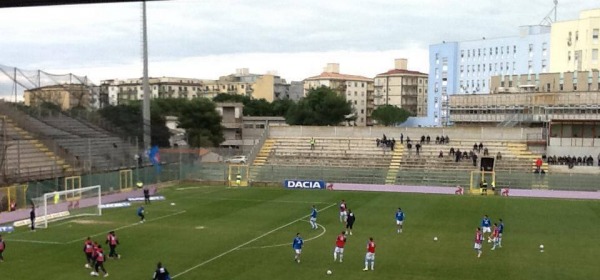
237, 159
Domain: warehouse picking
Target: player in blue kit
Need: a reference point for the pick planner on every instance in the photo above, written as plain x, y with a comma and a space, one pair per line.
297, 246
399, 219
141, 214
486, 226
500, 231
313, 217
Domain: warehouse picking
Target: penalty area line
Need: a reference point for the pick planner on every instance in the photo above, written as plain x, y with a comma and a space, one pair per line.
244, 244
35, 241
126, 226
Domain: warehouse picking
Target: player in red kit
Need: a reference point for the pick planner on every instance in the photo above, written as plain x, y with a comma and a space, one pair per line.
495, 235
339, 247
343, 213
478, 240
2, 247
88, 250
99, 262
112, 241
370, 256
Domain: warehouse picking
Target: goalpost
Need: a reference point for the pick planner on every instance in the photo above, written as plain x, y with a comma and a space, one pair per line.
67, 204
478, 177
238, 175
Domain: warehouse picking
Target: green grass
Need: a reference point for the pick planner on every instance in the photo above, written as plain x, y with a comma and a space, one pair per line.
214, 234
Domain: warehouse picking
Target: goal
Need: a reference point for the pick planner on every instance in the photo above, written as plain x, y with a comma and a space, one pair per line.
67, 204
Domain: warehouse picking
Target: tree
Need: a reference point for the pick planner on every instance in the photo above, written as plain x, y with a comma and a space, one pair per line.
389, 115
128, 118
321, 106
202, 122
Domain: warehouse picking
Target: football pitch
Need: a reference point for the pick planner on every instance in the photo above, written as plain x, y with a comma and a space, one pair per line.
246, 233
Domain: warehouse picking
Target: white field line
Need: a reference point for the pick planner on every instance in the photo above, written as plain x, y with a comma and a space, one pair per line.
244, 244
126, 226
288, 244
35, 241
262, 200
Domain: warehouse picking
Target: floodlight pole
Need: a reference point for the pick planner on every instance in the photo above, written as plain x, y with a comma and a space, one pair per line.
146, 86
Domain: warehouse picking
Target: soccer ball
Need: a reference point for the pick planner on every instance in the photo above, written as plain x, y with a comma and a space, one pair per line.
435, 238
541, 247
172, 203
329, 272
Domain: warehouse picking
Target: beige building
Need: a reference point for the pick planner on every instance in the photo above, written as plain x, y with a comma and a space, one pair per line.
66, 96
531, 100
546, 82
402, 88
357, 89
575, 43
268, 86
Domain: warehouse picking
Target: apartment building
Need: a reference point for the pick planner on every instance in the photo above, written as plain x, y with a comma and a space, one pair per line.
402, 88
357, 89
65, 96
268, 86
575, 43
466, 67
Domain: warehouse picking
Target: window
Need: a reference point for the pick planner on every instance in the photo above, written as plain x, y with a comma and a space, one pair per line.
468, 53
544, 65
569, 56
362, 111
260, 126
595, 34
576, 36
595, 55
544, 48
355, 93
462, 53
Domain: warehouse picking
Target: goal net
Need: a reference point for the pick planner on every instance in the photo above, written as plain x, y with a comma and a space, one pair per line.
67, 204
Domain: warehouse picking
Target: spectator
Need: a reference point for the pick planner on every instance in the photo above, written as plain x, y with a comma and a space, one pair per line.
407, 139
451, 153
486, 152
598, 159
428, 139
437, 139
13, 206
465, 155
475, 147
409, 147
418, 148
377, 141
499, 156
392, 144
447, 140
480, 146
538, 164
384, 138
457, 155
312, 143
401, 138
441, 155
474, 160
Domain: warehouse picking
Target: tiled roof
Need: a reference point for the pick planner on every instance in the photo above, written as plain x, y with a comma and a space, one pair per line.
338, 76
401, 72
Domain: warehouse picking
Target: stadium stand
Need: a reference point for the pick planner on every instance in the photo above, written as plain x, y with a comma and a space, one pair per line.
26, 158
76, 143
282, 158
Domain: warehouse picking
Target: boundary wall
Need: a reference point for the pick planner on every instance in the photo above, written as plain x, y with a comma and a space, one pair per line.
462, 133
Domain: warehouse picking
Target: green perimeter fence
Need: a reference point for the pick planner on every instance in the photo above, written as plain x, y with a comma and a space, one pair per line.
216, 173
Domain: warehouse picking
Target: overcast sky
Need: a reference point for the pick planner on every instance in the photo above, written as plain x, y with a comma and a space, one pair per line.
210, 38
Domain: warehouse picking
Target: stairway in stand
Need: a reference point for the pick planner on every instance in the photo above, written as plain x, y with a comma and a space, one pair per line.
261, 158
394, 165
